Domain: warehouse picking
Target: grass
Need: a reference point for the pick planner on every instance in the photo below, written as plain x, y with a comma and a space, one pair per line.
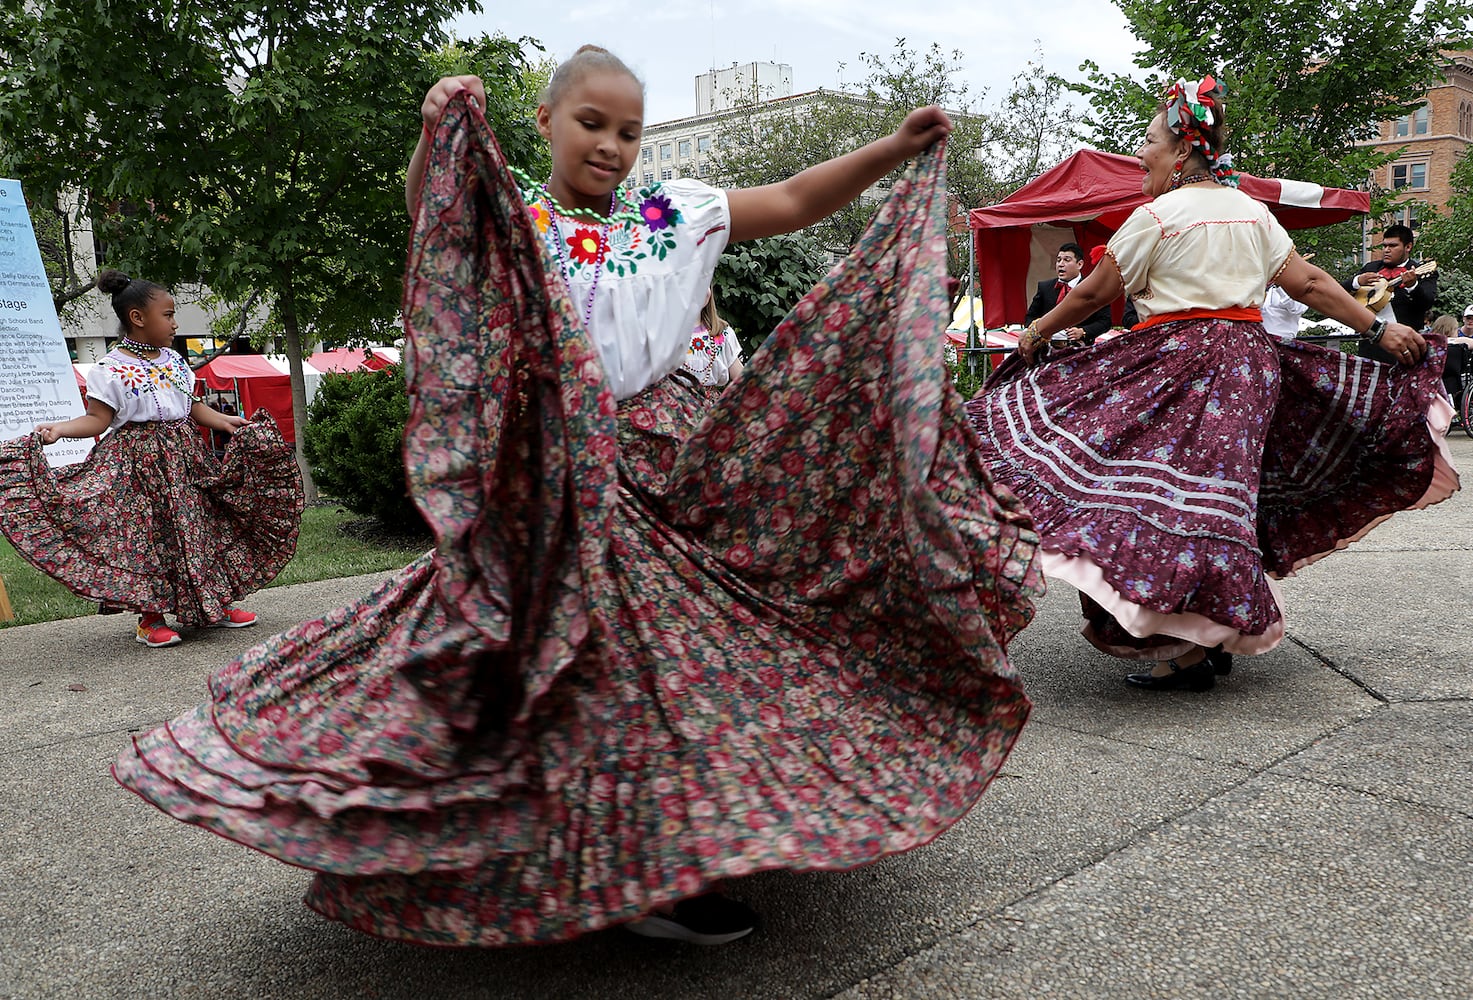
328, 547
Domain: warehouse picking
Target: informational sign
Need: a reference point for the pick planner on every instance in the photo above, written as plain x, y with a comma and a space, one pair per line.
37, 382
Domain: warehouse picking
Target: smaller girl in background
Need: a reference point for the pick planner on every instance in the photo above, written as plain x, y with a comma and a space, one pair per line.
151, 522
714, 357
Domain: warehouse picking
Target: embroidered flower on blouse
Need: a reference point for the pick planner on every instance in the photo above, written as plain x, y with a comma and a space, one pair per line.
540, 218
658, 213
583, 246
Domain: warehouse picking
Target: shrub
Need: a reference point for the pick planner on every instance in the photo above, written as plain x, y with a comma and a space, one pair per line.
757, 282
354, 440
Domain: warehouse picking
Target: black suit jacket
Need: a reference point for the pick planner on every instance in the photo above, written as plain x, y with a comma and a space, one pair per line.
1048, 297
1409, 307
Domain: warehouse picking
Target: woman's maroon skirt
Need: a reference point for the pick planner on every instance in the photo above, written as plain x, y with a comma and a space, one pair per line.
1174, 471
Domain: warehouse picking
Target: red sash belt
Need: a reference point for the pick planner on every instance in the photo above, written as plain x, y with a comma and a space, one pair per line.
1249, 313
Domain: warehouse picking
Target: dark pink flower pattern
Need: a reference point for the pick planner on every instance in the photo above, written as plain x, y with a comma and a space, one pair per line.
150, 521
591, 710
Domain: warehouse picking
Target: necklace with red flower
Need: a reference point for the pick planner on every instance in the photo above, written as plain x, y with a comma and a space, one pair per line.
562, 254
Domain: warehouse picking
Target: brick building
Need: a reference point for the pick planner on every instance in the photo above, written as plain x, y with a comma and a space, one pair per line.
1430, 140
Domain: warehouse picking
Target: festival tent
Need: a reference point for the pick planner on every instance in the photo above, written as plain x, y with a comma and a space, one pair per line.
260, 382
339, 359
382, 357
352, 359
1084, 200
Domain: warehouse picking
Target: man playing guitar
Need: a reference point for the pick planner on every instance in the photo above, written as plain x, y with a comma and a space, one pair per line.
1412, 297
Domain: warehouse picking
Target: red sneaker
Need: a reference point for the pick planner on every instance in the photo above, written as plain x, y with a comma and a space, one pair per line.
235, 618
154, 633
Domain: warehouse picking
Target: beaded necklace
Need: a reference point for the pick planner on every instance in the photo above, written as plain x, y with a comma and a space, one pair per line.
135, 346
166, 372
1193, 179
562, 254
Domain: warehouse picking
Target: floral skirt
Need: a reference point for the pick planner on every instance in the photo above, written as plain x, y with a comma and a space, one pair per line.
152, 522
1173, 472
658, 644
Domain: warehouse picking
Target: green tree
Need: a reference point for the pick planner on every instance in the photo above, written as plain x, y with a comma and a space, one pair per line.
1447, 236
251, 147
1306, 80
988, 154
759, 281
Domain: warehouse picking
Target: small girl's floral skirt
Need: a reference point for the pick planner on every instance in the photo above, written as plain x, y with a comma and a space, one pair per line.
151, 521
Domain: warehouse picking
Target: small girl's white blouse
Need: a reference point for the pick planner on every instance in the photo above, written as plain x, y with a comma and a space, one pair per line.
140, 390
653, 278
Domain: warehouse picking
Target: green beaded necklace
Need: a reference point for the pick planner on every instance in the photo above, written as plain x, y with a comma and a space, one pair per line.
629, 213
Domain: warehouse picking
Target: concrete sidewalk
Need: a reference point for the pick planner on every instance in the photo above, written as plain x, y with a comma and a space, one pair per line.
1304, 830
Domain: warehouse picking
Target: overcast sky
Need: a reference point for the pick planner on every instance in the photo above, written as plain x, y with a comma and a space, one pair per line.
670, 42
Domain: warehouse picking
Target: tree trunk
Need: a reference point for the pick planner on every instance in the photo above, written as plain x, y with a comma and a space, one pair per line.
288, 312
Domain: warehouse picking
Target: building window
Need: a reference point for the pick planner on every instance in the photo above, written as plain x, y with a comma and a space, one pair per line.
647, 179
1413, 175
1419, 122
647, 155
705, 168
664, 151
703, 144
666, 174
684, 148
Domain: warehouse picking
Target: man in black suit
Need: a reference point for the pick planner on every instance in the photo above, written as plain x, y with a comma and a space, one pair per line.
1410, 300
1067, 264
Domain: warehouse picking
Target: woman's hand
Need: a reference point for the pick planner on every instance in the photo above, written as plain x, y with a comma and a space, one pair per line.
441, 93
1403, 343
232, 422
1032, 344
922, 129
48, 433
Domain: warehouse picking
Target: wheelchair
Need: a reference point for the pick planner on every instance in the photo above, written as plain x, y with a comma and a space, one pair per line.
1460, 361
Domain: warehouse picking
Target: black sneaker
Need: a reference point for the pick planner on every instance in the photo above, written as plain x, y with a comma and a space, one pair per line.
708, 919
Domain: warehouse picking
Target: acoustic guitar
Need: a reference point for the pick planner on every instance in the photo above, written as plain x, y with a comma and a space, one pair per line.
1377, 294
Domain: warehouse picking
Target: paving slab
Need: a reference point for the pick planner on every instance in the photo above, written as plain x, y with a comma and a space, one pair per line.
107, 897
1282, 888
126, 684
1269, 706
1419, 752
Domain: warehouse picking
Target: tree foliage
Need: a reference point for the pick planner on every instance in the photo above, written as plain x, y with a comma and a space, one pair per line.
989, 153
1306, 81
759, 281
1447, 236
251, 147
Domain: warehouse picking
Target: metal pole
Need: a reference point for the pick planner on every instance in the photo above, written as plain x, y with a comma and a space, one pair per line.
972, 300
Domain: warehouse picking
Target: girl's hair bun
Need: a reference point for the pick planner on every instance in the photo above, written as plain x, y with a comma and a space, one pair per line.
113, 281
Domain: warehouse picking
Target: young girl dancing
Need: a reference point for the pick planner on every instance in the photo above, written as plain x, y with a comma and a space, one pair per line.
658, 645
150, 522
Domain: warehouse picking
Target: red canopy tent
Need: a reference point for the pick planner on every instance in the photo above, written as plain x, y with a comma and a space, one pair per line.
258, 383
341, 359
1084, 200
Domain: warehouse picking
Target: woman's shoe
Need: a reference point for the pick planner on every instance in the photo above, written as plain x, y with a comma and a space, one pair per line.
1197, 677
1221, 660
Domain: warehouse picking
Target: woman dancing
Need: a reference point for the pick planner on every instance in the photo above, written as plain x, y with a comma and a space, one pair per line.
1174, 470
658, 645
